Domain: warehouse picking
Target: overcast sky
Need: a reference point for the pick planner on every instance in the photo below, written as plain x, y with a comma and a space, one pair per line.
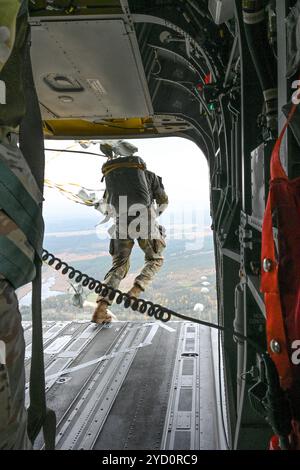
178, 161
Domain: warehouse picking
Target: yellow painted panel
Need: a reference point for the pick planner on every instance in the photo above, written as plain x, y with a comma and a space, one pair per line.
86, 7
69, 128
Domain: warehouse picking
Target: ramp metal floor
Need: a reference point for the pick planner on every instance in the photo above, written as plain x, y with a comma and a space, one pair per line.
132, 385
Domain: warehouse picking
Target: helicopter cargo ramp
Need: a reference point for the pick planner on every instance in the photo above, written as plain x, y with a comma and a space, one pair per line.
131, 385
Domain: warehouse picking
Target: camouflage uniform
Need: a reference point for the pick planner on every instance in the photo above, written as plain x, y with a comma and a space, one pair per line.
17, 255
13, 418
153, 246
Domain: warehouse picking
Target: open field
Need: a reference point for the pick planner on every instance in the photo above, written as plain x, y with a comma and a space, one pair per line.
178, 285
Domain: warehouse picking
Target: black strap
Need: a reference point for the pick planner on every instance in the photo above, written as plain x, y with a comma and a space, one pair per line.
32, 147
31, 130
39, 416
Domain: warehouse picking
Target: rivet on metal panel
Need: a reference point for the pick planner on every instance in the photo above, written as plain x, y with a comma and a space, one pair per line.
66, 99
267, 265
275, 346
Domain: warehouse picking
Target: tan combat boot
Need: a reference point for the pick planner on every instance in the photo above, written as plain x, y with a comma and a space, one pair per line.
135, 291
101, 314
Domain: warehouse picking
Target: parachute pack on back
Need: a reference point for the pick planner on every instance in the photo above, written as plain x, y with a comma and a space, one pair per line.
125, 176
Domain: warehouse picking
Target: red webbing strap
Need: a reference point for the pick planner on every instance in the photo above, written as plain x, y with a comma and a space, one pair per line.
277, 170
269, 280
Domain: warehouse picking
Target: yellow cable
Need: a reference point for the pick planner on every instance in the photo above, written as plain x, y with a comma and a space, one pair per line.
69, 194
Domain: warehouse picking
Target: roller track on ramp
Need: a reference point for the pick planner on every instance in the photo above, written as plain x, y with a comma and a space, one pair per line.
132, 385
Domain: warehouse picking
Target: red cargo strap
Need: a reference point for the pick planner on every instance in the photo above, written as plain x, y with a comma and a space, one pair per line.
294, 438
277, 170
282, 190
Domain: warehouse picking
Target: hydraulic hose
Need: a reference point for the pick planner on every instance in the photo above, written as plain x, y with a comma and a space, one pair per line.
254, 17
